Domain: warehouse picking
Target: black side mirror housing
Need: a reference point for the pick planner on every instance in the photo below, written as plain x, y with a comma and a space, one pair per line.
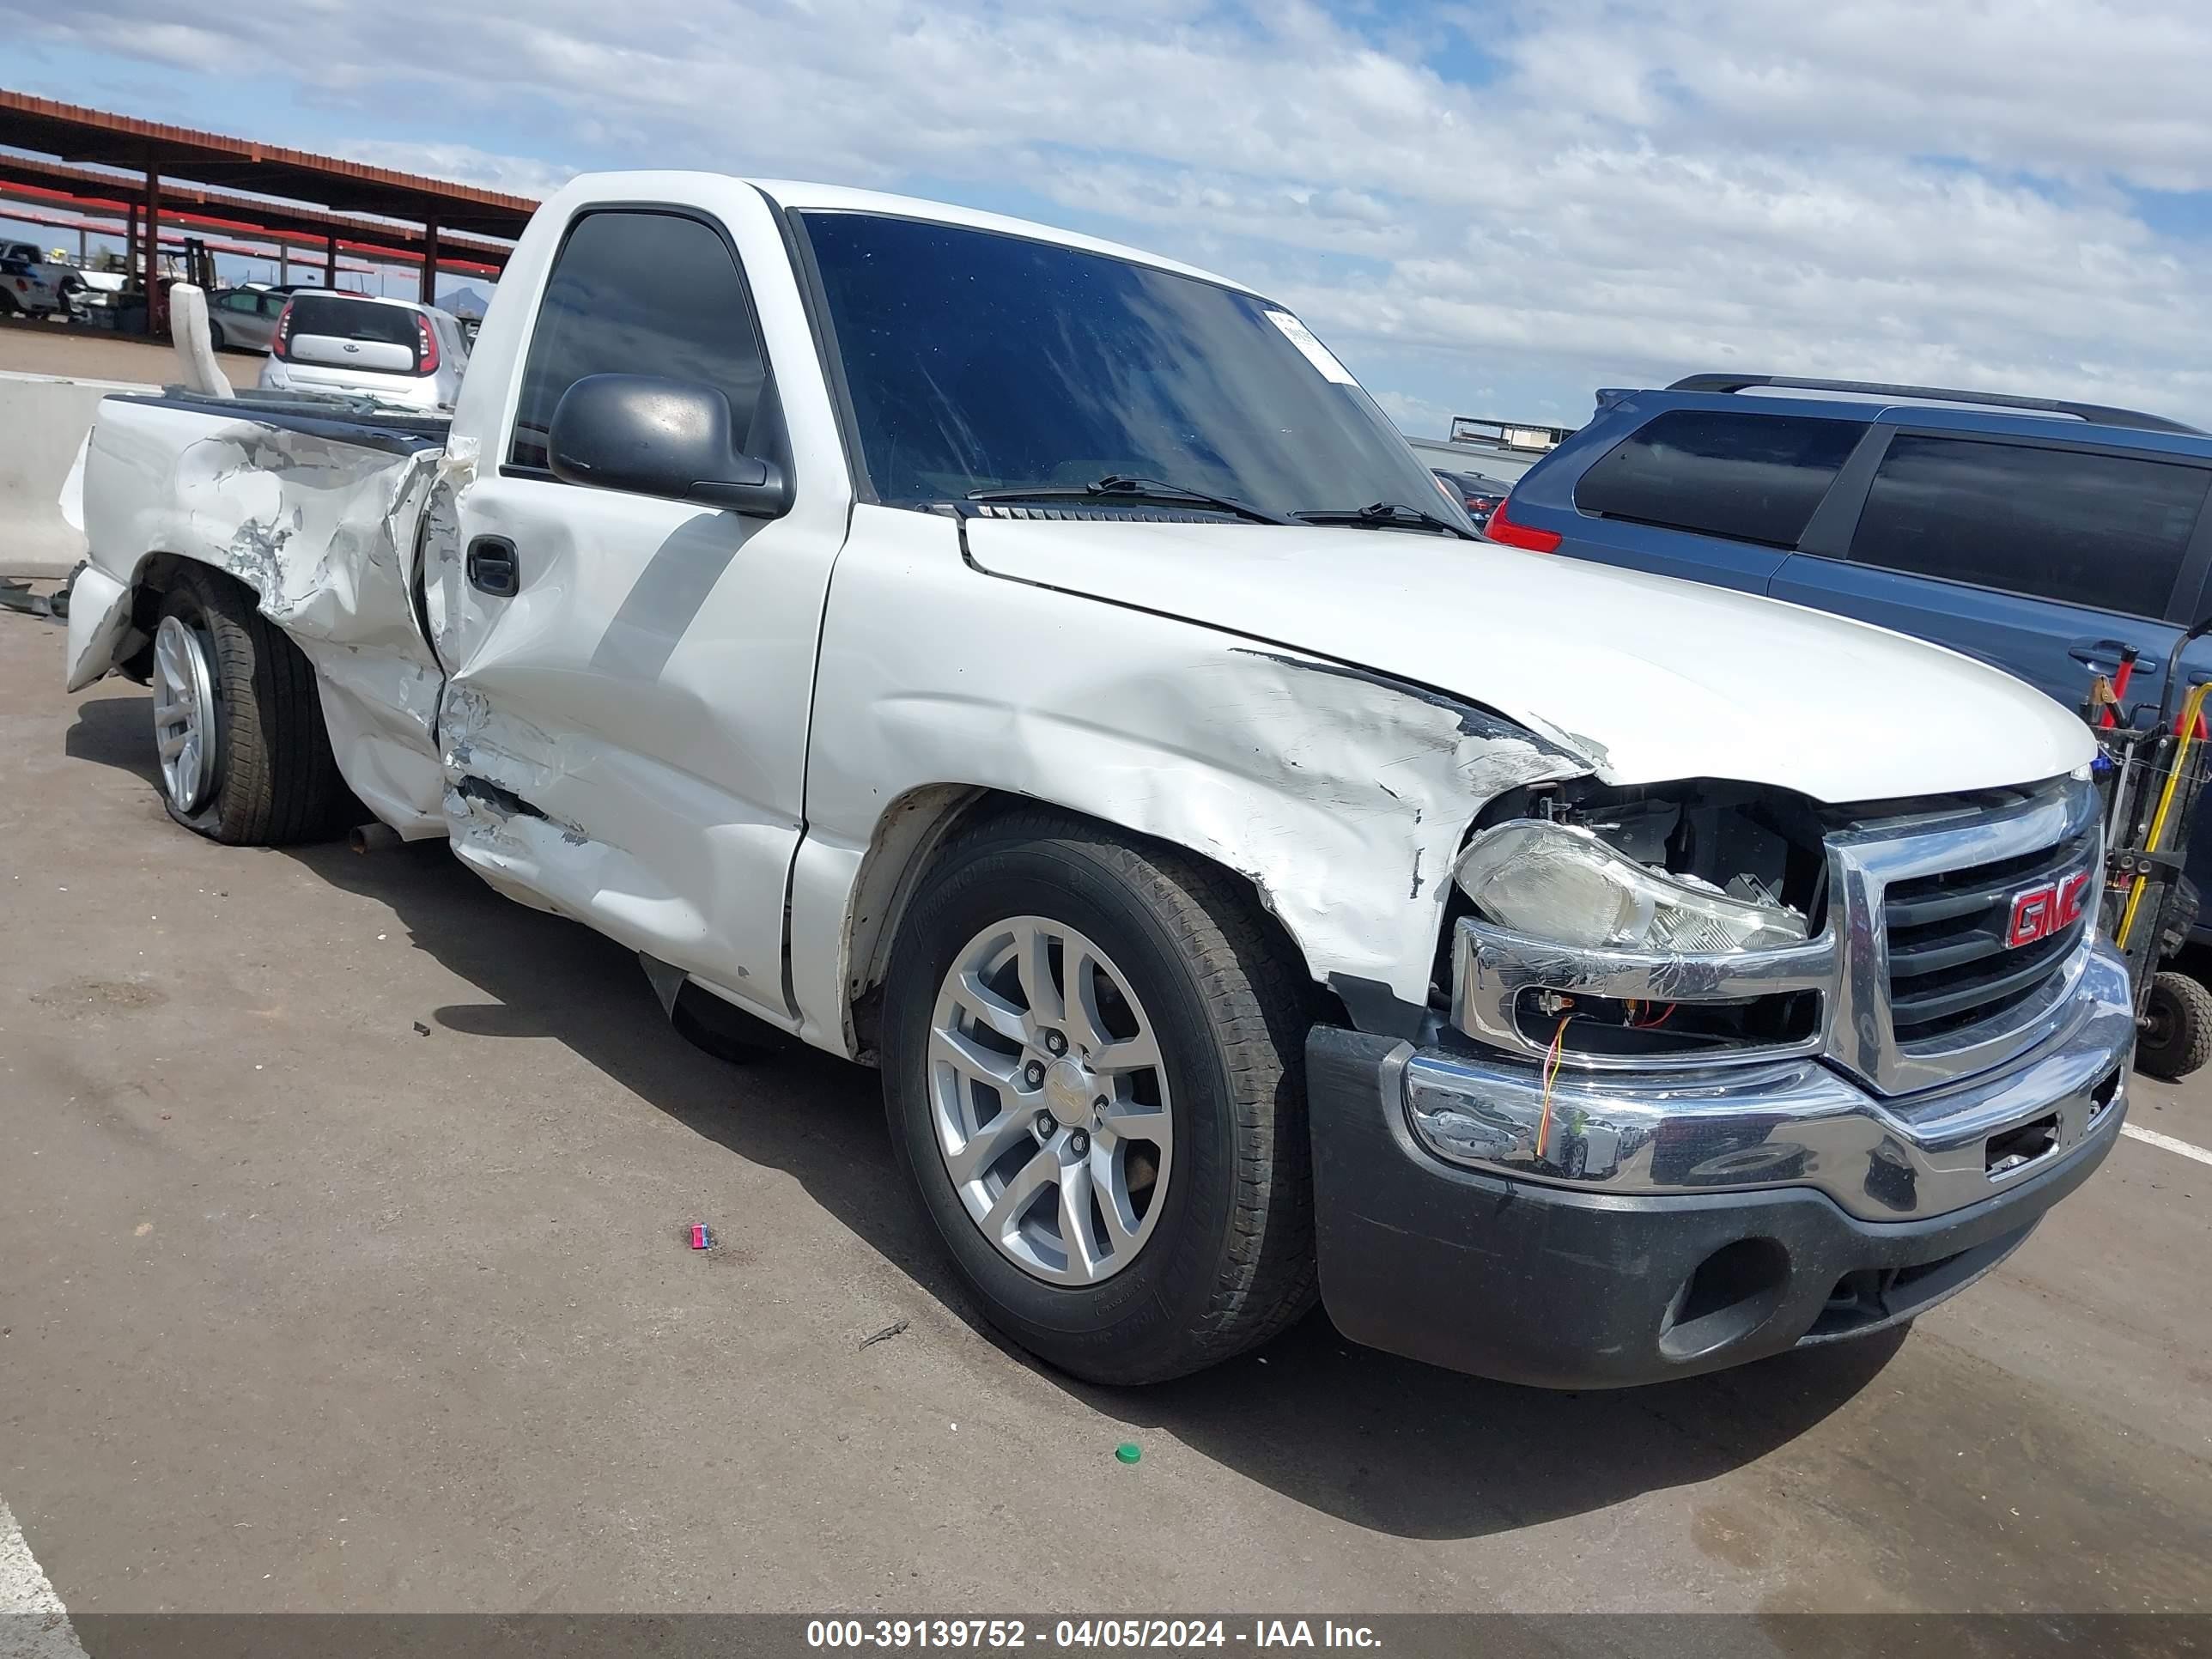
659, 437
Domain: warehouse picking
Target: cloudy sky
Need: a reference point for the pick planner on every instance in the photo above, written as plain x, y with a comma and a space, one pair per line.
1483, 208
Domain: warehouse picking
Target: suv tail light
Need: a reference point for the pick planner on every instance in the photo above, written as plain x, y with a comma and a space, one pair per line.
426, 353
1503, 528
280, 343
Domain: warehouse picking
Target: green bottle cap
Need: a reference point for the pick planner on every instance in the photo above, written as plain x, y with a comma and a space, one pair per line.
1129, 1451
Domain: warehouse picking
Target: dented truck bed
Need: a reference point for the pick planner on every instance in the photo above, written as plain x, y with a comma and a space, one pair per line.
315, 505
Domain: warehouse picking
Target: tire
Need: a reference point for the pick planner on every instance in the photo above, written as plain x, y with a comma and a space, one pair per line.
2176, 1031
267, 776
215, 337
8, 305
1225, 1256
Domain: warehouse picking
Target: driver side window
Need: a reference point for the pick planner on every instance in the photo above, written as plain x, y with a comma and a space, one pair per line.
639, 292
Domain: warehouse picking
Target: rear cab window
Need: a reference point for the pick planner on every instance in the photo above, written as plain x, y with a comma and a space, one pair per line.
1747, 477
2106, 532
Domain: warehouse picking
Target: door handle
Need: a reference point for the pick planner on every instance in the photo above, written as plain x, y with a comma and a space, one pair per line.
2106, 654
492, 567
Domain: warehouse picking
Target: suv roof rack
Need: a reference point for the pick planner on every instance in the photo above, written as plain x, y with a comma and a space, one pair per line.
2103, 414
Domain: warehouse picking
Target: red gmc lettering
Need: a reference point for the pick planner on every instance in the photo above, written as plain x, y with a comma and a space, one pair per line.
2042, 911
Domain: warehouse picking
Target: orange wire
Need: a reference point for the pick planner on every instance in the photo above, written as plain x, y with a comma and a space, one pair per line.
1552, 1057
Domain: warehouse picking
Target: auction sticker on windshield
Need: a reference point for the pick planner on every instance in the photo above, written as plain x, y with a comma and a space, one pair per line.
1312, 349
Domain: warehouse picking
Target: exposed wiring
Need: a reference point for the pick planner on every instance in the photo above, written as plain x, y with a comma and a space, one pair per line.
1636, 1024
1552, 1057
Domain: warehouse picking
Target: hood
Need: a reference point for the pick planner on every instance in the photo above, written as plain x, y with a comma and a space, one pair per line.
1646, 678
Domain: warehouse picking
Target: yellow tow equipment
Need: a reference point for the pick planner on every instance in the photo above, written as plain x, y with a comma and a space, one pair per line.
2192, 709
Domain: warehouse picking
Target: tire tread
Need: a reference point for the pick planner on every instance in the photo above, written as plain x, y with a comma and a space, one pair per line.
1260, 1002
280, 782
2189, 1046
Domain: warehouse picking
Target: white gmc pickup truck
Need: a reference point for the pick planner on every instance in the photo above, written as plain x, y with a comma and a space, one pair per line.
1038, 669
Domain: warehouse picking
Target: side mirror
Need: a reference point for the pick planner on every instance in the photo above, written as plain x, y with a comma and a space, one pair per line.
659, 437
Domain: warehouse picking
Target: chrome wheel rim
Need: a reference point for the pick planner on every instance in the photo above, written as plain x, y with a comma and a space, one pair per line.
183, 713
1049, 1100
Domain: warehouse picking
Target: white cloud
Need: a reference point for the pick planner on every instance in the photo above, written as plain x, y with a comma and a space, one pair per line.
1883, 189
1417, 417
517, 175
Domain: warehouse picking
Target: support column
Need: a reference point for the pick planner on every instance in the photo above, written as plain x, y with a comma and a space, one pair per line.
283, 264
331, 263
157, 303
430, 263
130, 240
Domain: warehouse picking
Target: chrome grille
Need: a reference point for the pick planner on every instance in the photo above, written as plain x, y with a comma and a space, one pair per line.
1930, 994
1950, 965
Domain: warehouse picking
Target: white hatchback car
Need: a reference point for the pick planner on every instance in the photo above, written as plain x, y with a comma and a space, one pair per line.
395, 350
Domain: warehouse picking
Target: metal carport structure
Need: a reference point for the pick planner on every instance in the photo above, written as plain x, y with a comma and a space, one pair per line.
312, 190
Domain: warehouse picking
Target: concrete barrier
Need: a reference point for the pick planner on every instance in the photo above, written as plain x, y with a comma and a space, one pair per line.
43, 420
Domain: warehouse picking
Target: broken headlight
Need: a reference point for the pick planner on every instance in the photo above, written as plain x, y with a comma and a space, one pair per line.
1559, 881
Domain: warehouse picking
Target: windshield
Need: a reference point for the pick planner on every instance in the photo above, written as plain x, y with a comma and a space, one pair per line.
982, 362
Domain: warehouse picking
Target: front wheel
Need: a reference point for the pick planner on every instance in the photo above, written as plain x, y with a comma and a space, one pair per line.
1092, 1068
215, 337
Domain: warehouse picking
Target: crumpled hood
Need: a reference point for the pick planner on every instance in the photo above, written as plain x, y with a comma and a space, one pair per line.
1647, 677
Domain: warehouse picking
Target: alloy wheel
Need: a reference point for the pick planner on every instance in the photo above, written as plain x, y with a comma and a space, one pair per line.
184, 714
1049, 1098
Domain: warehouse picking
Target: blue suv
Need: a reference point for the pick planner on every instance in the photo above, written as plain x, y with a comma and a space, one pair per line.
2043, 538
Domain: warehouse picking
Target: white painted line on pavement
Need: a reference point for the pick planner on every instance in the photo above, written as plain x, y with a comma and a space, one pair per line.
33, 1624
2152, 1137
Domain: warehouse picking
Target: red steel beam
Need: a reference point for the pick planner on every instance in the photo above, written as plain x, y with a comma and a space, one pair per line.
245, 212
169, 244
382, 253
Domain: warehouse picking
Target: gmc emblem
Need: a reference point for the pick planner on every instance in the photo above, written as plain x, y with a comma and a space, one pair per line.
2042, 911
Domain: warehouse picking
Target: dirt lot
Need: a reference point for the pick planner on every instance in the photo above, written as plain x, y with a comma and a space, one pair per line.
343, 1209
36, 346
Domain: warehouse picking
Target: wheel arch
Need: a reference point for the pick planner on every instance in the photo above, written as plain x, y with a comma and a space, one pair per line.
151, 579
913, 833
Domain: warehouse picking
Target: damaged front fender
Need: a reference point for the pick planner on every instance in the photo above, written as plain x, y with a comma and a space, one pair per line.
1340, 796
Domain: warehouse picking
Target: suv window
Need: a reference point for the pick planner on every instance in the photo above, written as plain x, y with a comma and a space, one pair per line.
639, 293
1747, 478
2107, 532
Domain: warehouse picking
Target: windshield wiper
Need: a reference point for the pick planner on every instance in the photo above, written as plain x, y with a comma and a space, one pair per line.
1121, 486
1380, 515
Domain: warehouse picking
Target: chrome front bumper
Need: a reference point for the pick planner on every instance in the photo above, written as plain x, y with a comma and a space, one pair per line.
1792, 1123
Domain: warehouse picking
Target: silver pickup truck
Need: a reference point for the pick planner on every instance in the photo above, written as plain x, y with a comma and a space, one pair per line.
1038, 669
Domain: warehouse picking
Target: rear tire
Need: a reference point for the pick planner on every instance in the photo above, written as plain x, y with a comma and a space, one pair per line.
1228, 1260
2177, 1032
215, 337
268, 777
